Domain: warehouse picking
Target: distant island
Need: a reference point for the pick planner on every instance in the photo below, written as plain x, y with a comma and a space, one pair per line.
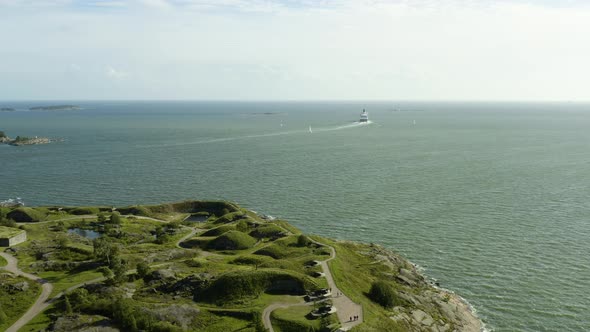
56, 108
7, 109
23, 140
205, 266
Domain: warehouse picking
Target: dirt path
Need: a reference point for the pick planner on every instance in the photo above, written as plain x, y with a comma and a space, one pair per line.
346, 308
42, 301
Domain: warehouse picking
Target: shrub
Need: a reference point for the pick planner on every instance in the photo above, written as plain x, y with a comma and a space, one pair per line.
384, 294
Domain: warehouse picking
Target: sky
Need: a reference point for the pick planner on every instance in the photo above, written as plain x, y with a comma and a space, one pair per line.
503, 50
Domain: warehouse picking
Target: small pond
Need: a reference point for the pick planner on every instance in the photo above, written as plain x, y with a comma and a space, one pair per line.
196, 218
87, 233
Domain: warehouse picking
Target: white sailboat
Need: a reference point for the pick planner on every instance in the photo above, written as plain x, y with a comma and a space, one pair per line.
311, 132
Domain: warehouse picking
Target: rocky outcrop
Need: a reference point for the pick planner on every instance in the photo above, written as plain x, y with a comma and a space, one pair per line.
428, 308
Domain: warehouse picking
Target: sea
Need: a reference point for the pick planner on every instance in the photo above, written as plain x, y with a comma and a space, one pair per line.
491, 200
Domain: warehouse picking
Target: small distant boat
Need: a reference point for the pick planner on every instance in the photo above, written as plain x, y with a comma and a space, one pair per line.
364, 116
310, 130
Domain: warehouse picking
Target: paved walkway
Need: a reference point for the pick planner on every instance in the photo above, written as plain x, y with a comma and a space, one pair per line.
346, 308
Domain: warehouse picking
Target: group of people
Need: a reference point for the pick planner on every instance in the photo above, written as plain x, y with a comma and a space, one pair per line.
353, 318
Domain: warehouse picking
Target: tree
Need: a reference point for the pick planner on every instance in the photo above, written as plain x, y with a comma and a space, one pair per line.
104, 250
101, 217
62, 241
143, 269
383, 293
2, 134
115, 218
67, 306
106, 272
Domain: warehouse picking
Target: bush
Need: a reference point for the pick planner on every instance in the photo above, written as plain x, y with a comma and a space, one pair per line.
384, 294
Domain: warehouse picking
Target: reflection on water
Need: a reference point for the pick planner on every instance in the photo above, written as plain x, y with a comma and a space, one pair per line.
87, 233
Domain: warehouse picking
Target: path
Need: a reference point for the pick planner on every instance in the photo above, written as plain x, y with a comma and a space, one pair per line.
39, 304
42, 301
346, 308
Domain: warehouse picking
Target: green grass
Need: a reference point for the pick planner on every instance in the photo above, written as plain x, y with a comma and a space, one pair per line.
232, 240
15, 304
41, 322
293, 319
63, 280
7, 232
353, 274
3, 261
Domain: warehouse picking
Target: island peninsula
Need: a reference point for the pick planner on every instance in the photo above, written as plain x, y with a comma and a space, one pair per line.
207, 266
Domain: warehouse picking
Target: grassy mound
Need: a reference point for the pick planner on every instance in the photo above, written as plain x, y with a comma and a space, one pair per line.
250, 260
83, 211
275, 251
243, 284
136, 210
230, 217
26, 214
268, 231
219, 230
232, 240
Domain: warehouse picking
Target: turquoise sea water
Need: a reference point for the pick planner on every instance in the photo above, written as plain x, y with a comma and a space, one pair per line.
492, 200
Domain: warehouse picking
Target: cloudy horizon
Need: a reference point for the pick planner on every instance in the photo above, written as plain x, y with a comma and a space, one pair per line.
295, 50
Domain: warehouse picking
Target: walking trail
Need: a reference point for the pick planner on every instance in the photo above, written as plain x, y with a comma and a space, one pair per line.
346, 308
42, 301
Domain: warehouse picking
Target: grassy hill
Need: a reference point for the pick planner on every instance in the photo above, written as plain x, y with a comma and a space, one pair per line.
164, 272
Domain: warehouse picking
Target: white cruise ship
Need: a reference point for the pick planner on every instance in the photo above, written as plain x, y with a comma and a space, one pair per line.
364, 116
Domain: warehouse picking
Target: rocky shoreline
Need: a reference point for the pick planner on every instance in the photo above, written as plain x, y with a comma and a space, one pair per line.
431, 307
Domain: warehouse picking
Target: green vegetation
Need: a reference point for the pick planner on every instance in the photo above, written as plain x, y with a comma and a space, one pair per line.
232, 240
7, 232
26, 214
17, 294
143, 274
2, 134
384, 293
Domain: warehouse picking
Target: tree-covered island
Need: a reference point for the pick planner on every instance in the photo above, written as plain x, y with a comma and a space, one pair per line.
206, 266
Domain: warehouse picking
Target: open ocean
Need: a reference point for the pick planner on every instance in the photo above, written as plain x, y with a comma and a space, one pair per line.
491, 199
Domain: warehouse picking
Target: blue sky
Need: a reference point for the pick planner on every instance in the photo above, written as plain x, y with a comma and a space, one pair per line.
292, 50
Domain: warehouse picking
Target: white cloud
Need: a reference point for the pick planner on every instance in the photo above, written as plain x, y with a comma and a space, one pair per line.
255, 49
115, 74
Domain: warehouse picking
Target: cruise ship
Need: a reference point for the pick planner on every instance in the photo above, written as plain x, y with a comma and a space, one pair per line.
364, 116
